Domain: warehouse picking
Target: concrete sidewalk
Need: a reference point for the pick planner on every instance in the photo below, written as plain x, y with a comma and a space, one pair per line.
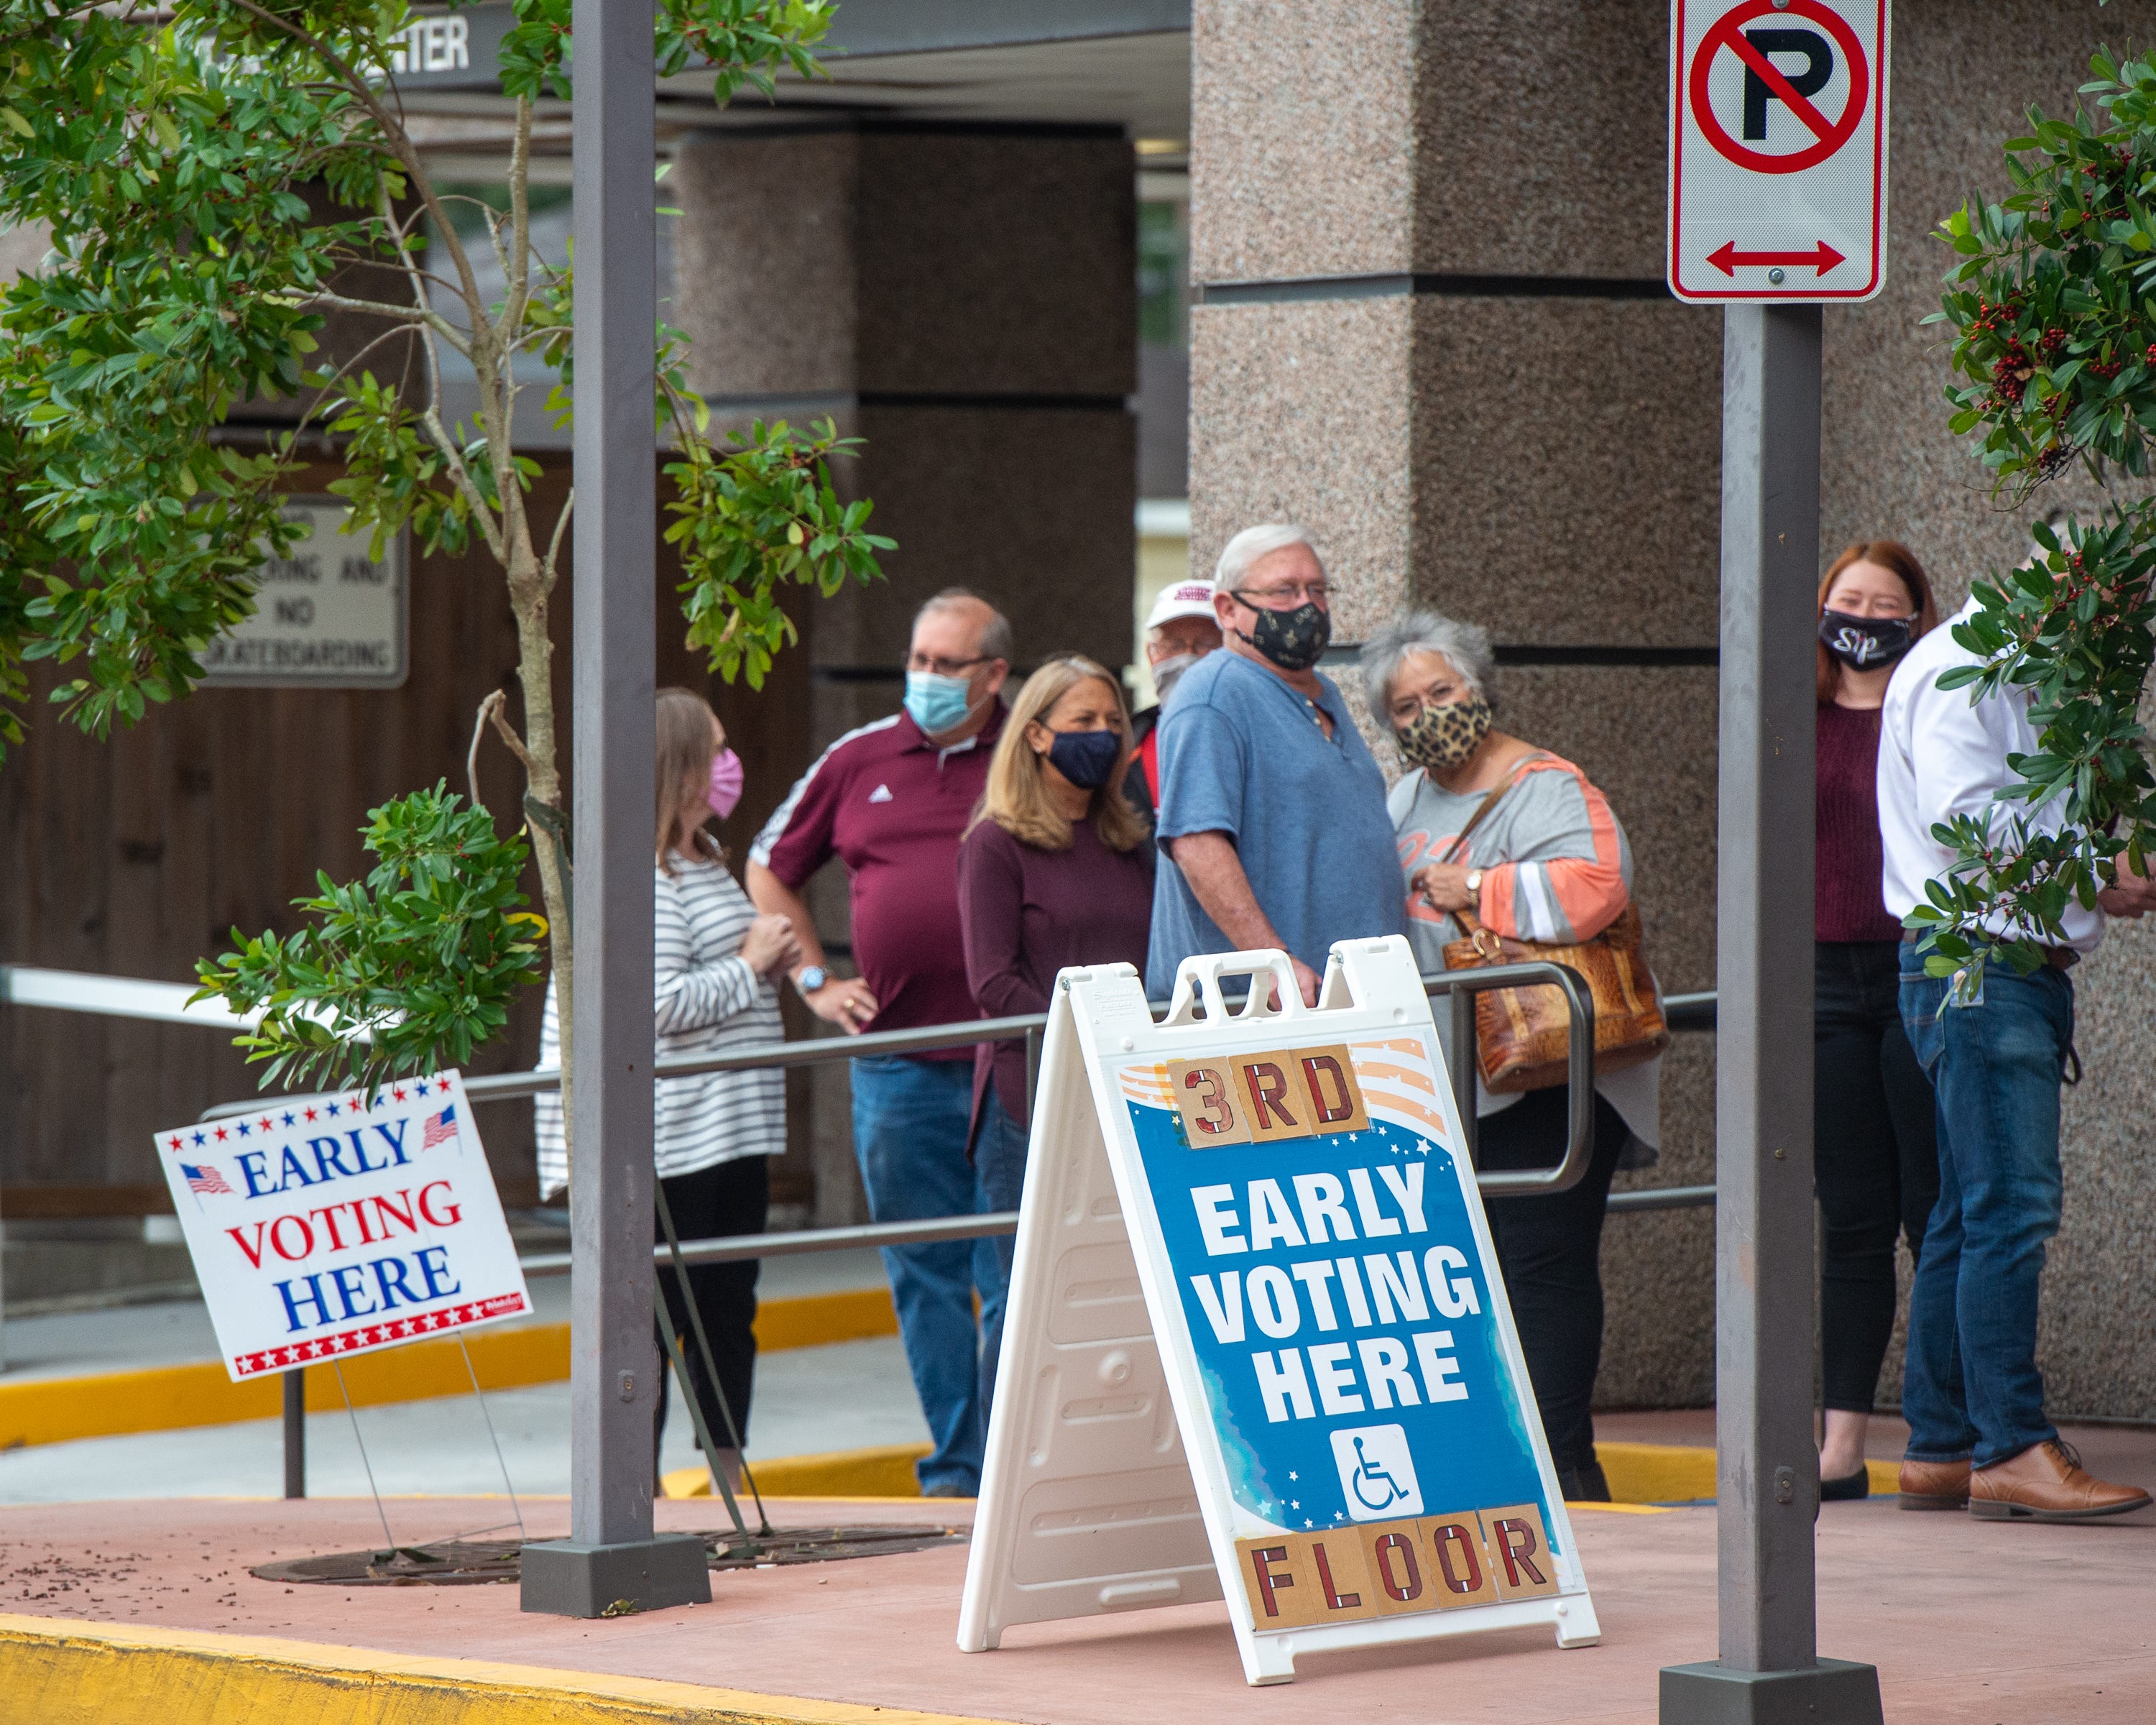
842, 1396
1970, 1623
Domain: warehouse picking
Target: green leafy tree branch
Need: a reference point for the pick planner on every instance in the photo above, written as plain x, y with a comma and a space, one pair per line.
2052, 298
218, 177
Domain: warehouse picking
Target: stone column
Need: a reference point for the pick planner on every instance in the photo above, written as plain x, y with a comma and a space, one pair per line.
964, 299
1430, 325
1427, 255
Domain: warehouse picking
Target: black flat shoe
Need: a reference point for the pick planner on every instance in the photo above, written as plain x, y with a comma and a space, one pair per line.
1856, 1486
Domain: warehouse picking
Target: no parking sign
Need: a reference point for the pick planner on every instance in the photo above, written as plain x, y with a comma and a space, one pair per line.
1778, 149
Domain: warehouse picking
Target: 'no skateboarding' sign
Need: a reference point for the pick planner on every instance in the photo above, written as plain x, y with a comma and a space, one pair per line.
1778, 149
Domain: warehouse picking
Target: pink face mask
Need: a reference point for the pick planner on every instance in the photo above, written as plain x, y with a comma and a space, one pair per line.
725, 783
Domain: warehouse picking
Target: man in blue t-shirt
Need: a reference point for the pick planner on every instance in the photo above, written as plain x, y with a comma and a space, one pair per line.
1272, 826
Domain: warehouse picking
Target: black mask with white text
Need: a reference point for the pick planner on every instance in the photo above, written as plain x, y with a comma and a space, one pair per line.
1866, 643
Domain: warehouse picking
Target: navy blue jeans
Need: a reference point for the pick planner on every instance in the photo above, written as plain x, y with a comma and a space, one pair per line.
910, 1120
1972, 1390
999, 1153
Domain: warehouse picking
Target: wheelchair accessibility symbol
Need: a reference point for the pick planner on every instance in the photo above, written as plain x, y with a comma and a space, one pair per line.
1376, 1473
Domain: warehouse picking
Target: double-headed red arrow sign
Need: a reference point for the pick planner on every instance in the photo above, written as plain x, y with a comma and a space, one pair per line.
1822, 258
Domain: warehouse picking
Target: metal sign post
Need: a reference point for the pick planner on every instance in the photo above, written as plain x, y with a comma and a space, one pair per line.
611, 1554
1776, 131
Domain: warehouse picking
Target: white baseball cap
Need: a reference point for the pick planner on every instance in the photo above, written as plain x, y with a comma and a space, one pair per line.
1186, 598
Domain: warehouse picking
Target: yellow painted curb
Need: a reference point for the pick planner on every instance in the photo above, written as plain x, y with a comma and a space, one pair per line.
58, 1672
1620, 1509
1680, 1473
886, 1472
55, 1410
1656, 1473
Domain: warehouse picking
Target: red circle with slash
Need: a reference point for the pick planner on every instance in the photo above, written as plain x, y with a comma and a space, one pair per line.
1827, 136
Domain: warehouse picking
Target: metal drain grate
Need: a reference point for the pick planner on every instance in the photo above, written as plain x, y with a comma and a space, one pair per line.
459, 1563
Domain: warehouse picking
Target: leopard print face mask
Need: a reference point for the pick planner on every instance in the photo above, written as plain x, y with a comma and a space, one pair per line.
1439, 738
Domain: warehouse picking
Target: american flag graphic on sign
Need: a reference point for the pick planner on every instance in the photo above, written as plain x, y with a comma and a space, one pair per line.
437, 1127
205, 1178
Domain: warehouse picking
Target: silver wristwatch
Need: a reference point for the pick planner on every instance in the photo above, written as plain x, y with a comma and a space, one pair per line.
811, 979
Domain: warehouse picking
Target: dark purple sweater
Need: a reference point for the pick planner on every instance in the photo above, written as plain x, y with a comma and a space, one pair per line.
1024, 914
1848, 904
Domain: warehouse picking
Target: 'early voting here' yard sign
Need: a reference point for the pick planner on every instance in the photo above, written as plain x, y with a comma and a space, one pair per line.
326, 1226
1257, 1344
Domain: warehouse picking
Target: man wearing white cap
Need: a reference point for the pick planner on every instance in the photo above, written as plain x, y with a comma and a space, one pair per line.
1180, 630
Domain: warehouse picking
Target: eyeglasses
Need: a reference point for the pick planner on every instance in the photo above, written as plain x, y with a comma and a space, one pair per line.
1275, 599
943, 667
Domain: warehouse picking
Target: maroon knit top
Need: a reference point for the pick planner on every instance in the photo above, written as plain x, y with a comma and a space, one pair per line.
1848, 904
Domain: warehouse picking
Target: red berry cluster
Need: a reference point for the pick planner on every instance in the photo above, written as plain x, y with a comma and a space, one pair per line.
2011, 372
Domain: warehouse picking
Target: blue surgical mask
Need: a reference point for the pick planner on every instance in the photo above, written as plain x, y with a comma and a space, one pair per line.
1085, 757
937, 703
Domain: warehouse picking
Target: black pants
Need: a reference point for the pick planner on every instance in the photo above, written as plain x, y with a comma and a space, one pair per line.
732, 1197
1875, 1157
1550, 1249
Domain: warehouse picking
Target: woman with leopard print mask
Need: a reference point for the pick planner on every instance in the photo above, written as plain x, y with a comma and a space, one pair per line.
1548, 862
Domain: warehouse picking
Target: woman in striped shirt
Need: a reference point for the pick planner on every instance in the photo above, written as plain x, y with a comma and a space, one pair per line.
718, 966
1548, 862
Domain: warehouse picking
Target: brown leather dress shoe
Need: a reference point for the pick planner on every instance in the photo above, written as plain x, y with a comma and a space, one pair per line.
2046, 1483
1934, 1485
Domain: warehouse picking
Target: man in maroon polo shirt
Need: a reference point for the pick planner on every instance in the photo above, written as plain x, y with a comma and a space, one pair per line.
889, 800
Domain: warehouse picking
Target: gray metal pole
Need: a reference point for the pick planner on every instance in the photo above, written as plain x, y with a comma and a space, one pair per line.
295, 1432
1767, 1471
611, 1554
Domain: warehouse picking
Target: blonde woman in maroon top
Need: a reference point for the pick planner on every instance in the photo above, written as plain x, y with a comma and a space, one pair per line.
1055, 868
1875, 1157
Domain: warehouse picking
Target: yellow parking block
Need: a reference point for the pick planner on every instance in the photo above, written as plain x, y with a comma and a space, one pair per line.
885, 1472
57, 1410
1682, 1473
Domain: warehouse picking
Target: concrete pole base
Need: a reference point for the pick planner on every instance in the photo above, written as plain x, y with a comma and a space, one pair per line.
575, 1580
1835, 1691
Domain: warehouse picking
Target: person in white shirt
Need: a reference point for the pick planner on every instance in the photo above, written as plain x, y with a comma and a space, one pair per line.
1971, 1392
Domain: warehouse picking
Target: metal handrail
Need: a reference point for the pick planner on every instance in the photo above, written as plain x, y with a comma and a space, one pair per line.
816, 1051
1579, 1078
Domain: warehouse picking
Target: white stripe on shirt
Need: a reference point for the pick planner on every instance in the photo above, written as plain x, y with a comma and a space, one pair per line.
1531, 894
774, 829
705, 1000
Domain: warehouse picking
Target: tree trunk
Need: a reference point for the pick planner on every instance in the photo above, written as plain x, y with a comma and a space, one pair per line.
528, 597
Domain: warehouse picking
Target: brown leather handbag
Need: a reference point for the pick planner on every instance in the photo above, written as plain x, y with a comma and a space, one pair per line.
1521, 1039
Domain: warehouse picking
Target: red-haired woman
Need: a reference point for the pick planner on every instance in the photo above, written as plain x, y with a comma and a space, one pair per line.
1875, 1157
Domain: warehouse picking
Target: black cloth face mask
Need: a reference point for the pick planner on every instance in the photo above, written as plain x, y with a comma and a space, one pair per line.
1086, 758
1294, 640
1866, 643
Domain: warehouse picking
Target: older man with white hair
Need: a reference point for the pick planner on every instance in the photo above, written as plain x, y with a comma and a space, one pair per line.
1272, 825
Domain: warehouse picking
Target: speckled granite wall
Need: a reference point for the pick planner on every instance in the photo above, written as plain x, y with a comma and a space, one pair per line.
1540, 455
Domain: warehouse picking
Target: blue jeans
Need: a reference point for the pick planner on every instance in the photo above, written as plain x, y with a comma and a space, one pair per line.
1972, 1390
999, 1153
909, 1119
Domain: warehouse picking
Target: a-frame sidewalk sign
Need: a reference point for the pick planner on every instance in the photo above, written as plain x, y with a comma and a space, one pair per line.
1257, 1344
